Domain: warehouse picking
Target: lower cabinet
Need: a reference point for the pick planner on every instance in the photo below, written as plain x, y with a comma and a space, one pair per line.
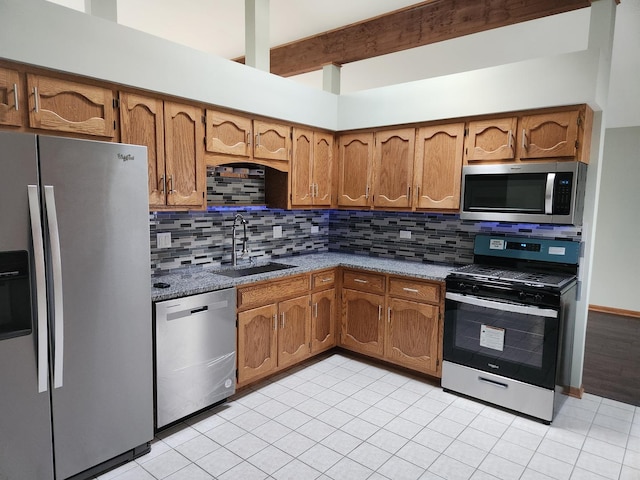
400, 323
294, 332
257, 342
323, 311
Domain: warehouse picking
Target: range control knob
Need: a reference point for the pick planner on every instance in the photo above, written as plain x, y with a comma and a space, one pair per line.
475, 288
537, 298
522, 295
462, 286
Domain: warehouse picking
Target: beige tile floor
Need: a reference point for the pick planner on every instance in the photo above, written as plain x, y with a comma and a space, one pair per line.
342, 418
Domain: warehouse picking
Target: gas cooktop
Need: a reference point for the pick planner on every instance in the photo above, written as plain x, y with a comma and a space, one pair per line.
531, 278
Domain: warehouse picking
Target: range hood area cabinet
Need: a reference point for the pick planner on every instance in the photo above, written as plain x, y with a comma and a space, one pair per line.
172, 133
545, 136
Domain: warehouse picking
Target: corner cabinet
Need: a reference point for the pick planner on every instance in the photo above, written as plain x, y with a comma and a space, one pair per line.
64, 106
438, 167
396, 319
311, 168
549, 135
393, 168
10, 92
355, 169
173, 135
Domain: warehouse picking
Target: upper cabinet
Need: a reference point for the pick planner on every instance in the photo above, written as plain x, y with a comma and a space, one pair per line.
233, 138
562, 134
64, 106
438, 166
491, 140
393, 168
549, 135
355, 168
173, 134
311, 168
10, 91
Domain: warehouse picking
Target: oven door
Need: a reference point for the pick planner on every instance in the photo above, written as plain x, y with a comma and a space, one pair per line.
512, 340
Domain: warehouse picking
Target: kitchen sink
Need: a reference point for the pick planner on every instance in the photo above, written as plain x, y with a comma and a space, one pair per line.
256, 269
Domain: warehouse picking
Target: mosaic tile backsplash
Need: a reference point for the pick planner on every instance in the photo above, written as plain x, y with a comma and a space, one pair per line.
204, 238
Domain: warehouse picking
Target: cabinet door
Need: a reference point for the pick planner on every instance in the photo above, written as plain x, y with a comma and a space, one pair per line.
228, 134
294, 334
142, 123
356, 157
10, 91
65, 106
393, 168
411, 336
491, 140
302, 189
272, 141
362, 323
323, 334
184, 147
257, 343
549, 135
322, 174
438, 166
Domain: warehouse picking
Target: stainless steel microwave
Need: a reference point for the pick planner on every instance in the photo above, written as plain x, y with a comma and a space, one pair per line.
530, 193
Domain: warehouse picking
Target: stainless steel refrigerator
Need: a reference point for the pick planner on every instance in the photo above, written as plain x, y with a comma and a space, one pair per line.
76, 386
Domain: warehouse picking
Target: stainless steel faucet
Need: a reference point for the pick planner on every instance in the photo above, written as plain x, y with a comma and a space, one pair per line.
234, 253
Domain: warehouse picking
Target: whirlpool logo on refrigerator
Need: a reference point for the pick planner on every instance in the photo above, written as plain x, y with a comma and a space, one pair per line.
127, 157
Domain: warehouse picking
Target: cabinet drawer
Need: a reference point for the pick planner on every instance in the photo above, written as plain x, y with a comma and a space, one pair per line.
420, 291
323, 279
368, 282
273, 291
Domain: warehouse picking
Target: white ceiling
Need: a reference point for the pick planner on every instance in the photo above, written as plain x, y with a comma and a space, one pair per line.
217, 27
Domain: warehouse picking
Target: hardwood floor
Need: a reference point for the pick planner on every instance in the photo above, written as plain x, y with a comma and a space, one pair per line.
612, 357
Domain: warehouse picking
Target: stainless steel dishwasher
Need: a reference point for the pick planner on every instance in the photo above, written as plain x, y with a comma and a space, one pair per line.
195, 353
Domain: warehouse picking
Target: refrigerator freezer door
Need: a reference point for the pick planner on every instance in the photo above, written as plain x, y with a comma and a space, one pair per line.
105, 404
25, 418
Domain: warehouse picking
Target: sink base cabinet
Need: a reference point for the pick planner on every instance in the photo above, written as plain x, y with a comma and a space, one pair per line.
257, 343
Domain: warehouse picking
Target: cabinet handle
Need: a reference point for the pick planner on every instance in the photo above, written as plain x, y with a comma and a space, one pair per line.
524, 140
324, 280
359, 280
36, 102
366, 193
317, 190
408, 193
275, 321
163, 182
412, 290
282, 320
248, 138
258, 139
15, 96
510, 140
389, 315
315, 308
171, 190
417, 192
379, 312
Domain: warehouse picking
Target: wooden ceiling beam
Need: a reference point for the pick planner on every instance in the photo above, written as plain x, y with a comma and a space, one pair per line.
421, 24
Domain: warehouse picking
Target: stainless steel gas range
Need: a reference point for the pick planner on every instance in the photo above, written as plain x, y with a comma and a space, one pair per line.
509, 322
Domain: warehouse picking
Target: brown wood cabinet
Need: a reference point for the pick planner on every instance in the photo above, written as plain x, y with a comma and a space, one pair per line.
323, 311
64, 106
355, 169
549, 135
232, 138
274, 326
10, 101
311, 168
491, 140
397, 319
438, 167
393, 168
173, 134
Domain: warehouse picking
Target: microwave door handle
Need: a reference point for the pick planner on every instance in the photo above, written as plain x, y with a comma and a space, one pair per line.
41, 295
502, 306
548, 194
56, 264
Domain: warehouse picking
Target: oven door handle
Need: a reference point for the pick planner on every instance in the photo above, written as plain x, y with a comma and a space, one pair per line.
506, 307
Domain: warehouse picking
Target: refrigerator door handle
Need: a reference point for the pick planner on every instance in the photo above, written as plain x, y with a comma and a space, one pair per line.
56, 267
41, 294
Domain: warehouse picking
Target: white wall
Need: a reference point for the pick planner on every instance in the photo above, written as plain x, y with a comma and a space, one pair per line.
50, 35
616, 265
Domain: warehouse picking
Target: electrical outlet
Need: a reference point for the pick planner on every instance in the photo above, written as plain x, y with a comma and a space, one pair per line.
164, 240
405, 234
277, 231
315, 228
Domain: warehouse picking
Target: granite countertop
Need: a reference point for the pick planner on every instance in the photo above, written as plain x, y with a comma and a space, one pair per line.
191, 282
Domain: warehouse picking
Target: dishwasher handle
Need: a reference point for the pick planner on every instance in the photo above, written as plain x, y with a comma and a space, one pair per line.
177, 311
